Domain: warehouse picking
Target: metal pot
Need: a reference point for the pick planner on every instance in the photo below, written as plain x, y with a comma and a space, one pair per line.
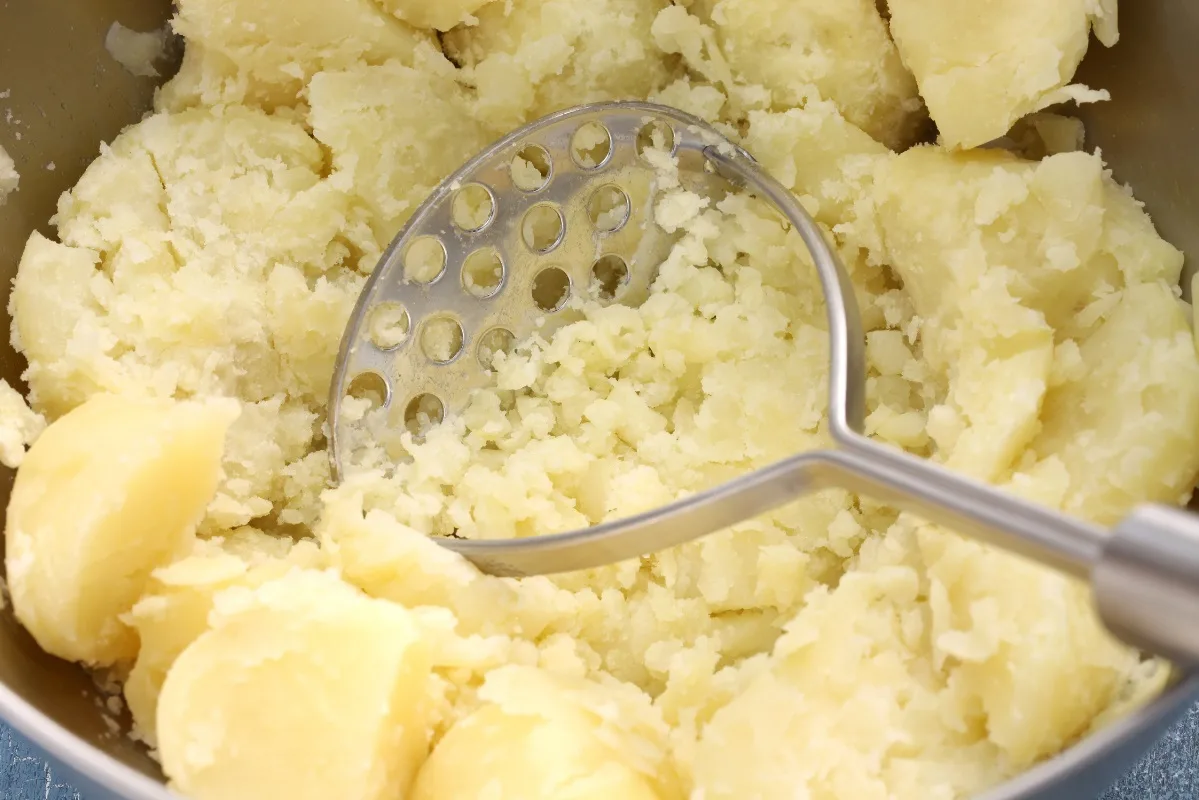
67, 95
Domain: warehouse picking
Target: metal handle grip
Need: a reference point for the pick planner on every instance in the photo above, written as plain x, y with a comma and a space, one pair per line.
1147, 582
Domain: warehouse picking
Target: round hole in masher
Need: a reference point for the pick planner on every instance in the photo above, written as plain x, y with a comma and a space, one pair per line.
441, 339
551, 289
483, 273
531, 168
655, 135
542, 228
422, 413
494, 342
473, 207
591, 146
609, 275
424, 260
388, 325
371, 387
609, 208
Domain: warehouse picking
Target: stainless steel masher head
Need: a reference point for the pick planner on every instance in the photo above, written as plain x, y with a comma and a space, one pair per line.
565, 205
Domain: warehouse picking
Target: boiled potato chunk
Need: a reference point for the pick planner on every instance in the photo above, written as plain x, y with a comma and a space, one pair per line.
1020, 644
531, 58
50, 297
304, 688
537, 741
817, 153
1126, 427
395, 133
953, 221
107, 494
841, 680
839, 49
1002, 258
262, 52
179, 598
983, 65
437, 14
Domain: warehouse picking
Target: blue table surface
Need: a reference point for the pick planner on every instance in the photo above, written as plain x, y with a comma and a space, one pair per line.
1169, 772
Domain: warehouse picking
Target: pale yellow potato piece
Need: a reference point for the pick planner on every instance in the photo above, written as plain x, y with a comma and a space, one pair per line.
387, 559
545, 738
49, 302
1126, 429
983, 65
993, 251
261, 52
174, 611
107, 494
166, 623
1044, 133
136, 51
395, 133
1058, 233
826, 160
841, 50
303, 688
1003, 345
950, 220
530, 58
849, 706
873, 694
507, 757
1020, 644
437, 14
1121, 429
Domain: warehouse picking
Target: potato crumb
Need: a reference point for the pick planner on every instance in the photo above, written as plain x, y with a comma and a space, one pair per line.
19, 426
136, 51
9, 179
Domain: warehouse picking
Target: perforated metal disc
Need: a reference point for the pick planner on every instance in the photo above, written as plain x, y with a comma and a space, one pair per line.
560, 208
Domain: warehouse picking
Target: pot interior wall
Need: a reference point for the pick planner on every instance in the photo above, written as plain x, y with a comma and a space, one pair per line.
65, 95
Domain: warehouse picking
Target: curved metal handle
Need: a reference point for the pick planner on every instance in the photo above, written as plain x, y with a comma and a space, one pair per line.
966, 505
652, 531
1144, 573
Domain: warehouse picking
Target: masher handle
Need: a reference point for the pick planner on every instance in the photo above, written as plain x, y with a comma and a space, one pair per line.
1147, 582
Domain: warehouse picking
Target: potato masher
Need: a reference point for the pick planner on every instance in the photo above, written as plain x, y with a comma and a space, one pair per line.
565, 205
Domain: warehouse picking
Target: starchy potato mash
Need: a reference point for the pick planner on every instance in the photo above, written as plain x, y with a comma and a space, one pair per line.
277, 635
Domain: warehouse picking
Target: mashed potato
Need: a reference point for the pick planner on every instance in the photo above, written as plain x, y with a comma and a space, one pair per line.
528, 59
1023, 326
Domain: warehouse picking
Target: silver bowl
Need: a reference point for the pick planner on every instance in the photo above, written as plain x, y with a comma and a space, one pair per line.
67, 95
